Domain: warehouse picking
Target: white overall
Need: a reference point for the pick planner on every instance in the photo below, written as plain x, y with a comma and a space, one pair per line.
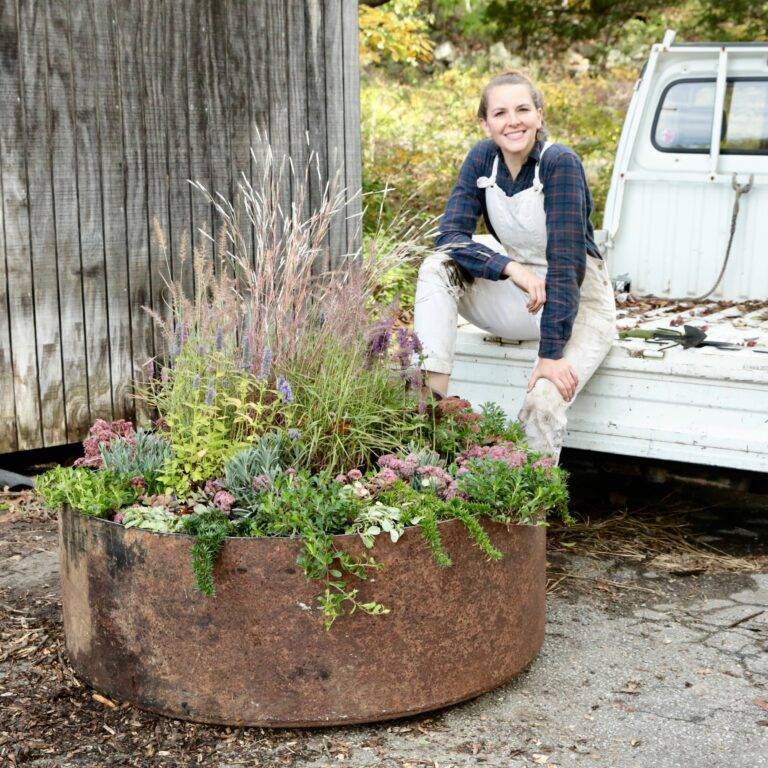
499, 306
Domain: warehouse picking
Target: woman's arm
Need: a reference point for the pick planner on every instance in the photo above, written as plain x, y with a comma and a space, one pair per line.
459, 221
565, 205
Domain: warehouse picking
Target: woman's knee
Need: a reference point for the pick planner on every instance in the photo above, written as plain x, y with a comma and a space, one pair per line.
437, 271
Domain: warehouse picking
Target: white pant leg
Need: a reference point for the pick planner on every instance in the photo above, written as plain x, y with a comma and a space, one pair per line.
497, 306
543, 414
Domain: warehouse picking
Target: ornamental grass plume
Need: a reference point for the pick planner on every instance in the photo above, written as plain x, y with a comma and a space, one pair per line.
274, 334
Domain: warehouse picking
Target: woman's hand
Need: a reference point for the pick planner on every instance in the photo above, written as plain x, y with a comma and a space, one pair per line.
559, 372
528, 281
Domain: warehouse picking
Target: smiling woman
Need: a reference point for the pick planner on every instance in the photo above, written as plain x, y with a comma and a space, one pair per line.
543, 277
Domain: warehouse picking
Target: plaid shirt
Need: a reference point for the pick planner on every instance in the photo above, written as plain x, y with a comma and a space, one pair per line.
570, 237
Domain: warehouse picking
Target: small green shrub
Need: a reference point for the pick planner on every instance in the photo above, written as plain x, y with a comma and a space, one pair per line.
145, 457
510, 494
95, 494
157, 519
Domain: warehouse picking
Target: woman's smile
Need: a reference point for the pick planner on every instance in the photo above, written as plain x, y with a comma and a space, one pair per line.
512, 121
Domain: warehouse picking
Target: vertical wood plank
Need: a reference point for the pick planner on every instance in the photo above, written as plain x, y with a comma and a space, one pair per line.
89, 188
279, 128
316, 113
177, 115
216, 99
154, 56
297, 104
258, 86
353, 161
25, 430
32, 46
109, 116
334, 99
130, 68
8, 441
239, 101
199, 155
64, 175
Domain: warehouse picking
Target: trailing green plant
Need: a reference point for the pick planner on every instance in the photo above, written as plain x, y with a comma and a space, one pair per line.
475, 529
315, 507
431, 534
210, 527
144, 456
426, 509
95, 494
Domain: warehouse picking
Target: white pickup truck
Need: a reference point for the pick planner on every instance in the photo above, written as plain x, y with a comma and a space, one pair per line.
693, 156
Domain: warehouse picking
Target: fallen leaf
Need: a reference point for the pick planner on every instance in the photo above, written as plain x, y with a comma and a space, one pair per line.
540, 759
762, 703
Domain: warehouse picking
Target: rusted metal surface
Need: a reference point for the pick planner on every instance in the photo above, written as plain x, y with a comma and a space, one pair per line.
257, 653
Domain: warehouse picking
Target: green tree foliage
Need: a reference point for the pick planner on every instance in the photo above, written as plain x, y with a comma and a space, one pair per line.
728, 20
554, 25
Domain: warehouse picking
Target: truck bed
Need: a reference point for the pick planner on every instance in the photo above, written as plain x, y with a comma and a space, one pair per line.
706, 405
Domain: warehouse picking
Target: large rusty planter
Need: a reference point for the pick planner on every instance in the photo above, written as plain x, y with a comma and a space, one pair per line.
257, 653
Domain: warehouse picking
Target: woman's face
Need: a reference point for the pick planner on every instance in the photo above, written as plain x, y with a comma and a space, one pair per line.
512, 119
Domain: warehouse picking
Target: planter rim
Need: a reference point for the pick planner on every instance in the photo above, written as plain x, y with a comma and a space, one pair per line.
341, 536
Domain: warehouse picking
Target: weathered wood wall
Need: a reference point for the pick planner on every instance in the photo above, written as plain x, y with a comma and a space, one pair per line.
107, 107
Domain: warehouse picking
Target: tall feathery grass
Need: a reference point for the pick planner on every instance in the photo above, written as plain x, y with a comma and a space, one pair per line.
271, 340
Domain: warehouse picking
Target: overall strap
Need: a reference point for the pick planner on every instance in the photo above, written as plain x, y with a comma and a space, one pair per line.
536, 181
488, 181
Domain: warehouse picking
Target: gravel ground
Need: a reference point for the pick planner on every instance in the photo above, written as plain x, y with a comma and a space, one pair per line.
649, 660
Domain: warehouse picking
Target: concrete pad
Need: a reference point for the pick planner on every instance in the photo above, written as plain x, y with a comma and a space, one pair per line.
31, 572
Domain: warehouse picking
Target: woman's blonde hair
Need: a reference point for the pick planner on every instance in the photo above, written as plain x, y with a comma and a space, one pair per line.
513, 78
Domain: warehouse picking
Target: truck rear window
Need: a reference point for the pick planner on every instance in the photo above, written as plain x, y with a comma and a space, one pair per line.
683, 121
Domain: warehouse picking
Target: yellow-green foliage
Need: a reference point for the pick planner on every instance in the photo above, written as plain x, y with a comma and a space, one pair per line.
415, 135
394, 32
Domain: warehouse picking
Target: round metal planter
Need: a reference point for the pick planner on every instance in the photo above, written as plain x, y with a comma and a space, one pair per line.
257, 654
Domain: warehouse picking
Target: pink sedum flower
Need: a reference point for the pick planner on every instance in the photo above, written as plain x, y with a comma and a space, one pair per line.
224, 500
103, 433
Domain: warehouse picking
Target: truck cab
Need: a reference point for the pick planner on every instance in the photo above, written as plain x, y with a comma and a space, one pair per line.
684, 235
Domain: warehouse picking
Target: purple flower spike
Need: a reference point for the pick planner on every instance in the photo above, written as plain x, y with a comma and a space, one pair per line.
379, 339
210, 394
284, 388
294, 434
219, 339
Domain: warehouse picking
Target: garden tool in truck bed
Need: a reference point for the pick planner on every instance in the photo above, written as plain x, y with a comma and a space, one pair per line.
690, 337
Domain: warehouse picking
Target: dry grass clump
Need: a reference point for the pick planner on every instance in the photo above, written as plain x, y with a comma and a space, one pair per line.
663, 538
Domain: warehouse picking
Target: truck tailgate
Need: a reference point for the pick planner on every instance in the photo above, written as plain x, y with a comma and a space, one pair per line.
706, 405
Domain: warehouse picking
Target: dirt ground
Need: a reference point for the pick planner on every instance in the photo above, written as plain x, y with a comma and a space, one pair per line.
656, 655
